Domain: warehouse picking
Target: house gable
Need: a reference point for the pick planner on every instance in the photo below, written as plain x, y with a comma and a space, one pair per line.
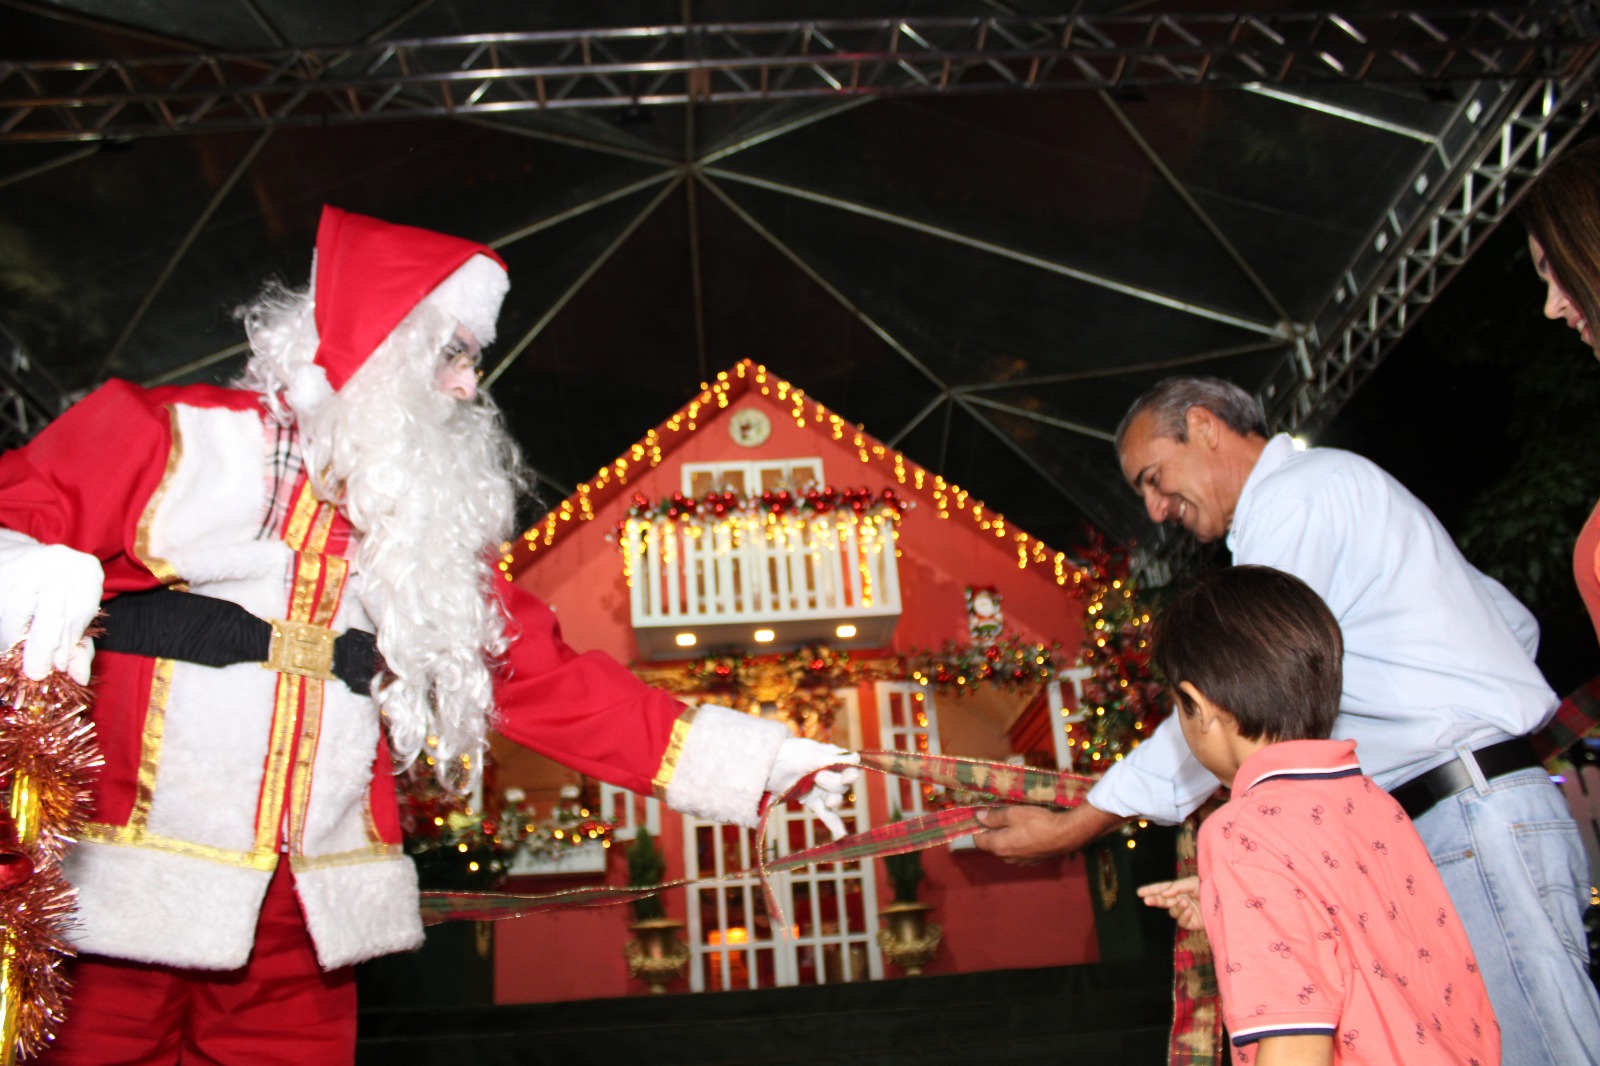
947, 541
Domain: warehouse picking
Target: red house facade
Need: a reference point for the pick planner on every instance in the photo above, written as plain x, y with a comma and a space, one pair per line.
820, 543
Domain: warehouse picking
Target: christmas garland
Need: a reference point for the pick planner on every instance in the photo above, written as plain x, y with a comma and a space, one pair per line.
813, 666
1125, 699
802, 503
1009, 661
457, 846
800, 683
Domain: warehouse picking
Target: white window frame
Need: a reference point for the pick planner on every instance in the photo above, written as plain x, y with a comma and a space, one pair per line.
626, 811
1060, 719
839, 955
907, 795
752, 471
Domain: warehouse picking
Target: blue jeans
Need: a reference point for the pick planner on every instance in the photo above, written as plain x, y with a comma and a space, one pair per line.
1510, 856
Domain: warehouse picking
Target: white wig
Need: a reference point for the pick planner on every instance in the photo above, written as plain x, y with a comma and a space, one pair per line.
430, 482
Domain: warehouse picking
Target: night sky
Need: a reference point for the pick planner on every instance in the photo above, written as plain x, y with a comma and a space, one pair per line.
1485, 406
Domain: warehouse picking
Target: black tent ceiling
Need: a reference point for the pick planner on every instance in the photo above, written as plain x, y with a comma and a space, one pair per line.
977, 229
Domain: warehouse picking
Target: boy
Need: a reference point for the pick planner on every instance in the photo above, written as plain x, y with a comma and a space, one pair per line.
1334, 938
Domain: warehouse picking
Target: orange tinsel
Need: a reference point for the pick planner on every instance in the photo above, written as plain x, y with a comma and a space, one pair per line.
47, 761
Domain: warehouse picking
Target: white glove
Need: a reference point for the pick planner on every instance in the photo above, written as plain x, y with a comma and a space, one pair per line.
798, 757
49, 594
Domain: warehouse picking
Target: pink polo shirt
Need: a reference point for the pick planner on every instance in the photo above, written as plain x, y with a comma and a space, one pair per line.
1327, 917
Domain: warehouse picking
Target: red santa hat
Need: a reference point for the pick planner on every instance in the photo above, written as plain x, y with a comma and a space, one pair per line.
369, 274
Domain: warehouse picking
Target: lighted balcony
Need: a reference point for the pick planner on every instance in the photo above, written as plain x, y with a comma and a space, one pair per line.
762, 582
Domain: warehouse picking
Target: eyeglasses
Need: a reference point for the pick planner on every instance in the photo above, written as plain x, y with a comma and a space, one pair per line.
458, 357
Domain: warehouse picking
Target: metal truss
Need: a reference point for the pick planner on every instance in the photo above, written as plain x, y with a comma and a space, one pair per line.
29, 398
137, 96
1501, 141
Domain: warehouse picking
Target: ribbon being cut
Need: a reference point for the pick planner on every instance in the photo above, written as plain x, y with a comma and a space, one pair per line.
1003, 783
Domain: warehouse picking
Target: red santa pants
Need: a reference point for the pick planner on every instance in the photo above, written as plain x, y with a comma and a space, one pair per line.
280, 1008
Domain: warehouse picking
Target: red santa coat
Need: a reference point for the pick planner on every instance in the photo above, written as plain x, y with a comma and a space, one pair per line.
212, 773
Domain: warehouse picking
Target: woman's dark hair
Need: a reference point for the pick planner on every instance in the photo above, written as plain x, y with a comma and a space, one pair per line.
1260, 645
1562, 212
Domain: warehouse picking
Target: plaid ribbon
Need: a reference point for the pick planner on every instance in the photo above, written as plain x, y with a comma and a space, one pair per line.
1197, 1037
1000, 782
1577, 717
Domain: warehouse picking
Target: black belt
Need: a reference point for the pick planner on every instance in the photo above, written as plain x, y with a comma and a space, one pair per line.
1422, 792
213, 632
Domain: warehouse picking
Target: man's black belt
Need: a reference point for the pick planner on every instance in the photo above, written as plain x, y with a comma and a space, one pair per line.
1419, 794
213, 632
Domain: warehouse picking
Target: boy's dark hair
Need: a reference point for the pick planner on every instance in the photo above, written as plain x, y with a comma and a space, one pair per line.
1260, 645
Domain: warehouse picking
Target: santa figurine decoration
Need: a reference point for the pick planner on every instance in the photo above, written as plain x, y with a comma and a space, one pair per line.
984, 620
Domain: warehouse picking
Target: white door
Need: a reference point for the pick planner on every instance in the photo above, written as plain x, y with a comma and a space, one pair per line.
831, 910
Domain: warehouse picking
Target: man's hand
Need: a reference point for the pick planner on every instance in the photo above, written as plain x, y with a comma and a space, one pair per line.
1027, 834
1181, 898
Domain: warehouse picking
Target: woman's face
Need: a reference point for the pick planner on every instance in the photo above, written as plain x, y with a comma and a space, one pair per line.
1557, 304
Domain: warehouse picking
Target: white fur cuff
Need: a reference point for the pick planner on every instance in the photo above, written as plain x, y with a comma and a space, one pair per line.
362, 910
160, 907
723, 770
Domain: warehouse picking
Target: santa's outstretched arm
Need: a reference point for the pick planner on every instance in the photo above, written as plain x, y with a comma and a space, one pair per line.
588, 712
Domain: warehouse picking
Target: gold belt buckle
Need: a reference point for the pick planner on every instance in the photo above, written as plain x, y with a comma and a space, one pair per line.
302, 649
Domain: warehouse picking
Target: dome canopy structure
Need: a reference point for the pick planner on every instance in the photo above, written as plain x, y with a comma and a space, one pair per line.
976, 229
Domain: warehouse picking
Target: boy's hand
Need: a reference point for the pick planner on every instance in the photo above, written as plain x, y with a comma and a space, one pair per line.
1181, 898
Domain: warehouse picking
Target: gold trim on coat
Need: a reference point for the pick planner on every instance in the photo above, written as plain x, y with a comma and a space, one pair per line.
304, 510
674, 753
128, 836
155, 728
346, 858
305, 758
164, 571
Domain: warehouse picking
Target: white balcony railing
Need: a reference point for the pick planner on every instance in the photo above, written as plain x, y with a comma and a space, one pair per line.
802, 578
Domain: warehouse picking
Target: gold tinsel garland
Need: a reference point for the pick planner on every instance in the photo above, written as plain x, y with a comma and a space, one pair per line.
48, 758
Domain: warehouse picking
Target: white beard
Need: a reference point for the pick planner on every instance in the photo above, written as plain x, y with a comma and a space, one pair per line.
430, 484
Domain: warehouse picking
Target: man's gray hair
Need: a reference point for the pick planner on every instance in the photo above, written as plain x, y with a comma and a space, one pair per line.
1169, 400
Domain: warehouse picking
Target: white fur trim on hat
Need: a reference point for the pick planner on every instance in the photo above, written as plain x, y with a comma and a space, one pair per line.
472, 296
308, 389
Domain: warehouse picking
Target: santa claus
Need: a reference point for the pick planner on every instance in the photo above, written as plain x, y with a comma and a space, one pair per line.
300, 594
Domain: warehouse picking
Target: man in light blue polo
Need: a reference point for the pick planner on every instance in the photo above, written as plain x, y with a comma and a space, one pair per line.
1440, 692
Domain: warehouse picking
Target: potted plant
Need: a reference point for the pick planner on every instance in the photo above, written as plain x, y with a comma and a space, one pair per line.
909, 940
655, 952
905, 875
